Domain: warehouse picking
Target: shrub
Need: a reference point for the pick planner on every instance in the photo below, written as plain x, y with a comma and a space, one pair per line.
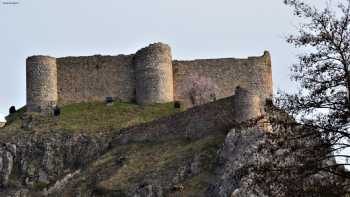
177, 104
56, 111
12, 110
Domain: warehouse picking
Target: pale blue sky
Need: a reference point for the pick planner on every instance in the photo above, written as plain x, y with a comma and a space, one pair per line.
193, 28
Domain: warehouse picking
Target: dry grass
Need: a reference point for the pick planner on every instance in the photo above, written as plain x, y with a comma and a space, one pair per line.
146, 161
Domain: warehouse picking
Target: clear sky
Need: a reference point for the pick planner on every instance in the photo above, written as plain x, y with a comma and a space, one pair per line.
193, 28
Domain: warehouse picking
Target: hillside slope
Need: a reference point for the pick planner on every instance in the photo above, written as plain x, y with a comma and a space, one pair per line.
198, 152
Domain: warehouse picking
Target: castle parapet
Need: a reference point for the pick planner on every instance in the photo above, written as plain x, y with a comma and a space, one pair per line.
154, 74
41, 84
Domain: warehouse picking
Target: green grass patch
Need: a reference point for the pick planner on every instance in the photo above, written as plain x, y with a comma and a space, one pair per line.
95, 117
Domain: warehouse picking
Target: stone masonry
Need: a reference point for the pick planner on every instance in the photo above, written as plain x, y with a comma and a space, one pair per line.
148, 76
41, 83
154, 74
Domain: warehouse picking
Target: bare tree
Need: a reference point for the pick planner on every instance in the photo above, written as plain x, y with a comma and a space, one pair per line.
201, 89
323, 74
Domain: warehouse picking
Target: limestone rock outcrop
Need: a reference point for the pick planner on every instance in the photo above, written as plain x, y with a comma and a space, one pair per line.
7, 157
40, 159
253, 163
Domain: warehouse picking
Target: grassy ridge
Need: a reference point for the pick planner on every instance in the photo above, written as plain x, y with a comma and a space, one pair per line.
95, 117
98, 116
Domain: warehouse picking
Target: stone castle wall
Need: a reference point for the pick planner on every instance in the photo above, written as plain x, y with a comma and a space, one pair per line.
94, 78
149, 76
215, 117
253, 74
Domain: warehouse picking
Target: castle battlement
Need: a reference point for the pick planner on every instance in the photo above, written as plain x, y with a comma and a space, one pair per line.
148, 76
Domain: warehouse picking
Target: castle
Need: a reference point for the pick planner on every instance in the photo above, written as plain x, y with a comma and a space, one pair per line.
148, 76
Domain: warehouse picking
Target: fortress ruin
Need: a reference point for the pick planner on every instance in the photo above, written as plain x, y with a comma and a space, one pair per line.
148, 76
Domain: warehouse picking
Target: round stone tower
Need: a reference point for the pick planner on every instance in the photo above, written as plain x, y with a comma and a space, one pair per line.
41, 84
154, 74
246, 105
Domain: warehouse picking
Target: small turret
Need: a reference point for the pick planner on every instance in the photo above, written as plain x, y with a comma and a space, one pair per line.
246, 105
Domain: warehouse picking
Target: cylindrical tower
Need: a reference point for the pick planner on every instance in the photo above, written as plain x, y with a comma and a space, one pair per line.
41, 84
246, 105
154, 74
